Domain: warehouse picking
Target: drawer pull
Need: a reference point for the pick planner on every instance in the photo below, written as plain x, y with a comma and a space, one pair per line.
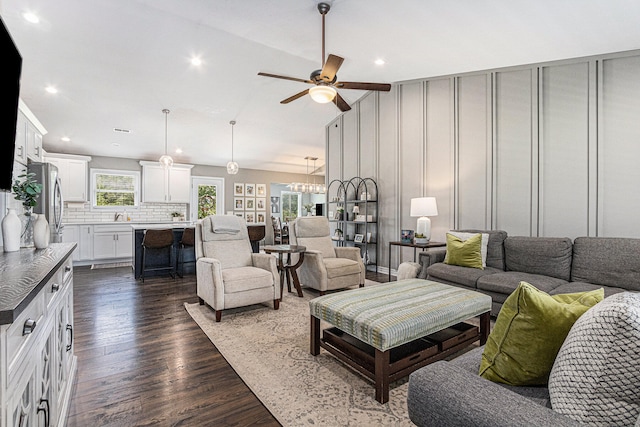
29, 326
70, 329
55, 287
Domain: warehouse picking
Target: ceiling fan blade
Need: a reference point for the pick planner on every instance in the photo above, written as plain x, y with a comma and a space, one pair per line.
276, 76
364, 86
294, 97
330, 68
341, 103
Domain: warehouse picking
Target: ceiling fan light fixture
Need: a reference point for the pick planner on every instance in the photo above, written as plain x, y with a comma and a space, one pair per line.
166, 160
322, 94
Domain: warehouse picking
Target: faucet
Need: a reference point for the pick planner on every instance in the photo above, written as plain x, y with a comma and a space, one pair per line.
118, 215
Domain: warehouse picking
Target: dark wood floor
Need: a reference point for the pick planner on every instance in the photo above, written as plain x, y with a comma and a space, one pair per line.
143, 361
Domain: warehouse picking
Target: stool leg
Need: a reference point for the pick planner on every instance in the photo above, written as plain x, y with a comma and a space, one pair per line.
144, 257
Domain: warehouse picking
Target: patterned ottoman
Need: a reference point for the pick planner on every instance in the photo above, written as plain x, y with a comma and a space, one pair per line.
388, 331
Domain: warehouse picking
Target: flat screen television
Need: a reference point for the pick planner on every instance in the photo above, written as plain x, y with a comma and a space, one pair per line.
9, 95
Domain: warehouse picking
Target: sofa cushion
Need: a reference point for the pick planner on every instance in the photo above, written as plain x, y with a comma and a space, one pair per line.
607, 261
483, 247
495, 246
582, 286
506, 282
455, 274
595, 377
245, 279
465, 253
338, 267
528, 333
548, 256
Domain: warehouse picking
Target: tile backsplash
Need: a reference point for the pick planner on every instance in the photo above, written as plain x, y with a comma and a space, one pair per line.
146, 212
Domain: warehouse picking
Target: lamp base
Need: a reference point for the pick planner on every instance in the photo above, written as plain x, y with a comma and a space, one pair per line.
424, 227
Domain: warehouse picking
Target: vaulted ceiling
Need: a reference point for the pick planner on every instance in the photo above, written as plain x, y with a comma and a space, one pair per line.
119, 63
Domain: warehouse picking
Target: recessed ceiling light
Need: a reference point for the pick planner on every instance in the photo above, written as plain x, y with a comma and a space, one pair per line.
51, 89
31, 17
196, 61
379, 61
115, 144
121, 130
179, 150
65, 139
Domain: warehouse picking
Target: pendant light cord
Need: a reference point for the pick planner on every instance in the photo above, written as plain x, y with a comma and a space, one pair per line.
166, 130
232, 123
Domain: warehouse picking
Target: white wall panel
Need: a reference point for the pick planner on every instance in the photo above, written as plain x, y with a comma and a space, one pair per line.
473, 142
619, 148
564, 150
513, 150
334, 155
350, 143
368, 136
439, 154
388, 175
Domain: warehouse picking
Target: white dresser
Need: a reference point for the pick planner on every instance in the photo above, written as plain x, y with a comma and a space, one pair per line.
37, 361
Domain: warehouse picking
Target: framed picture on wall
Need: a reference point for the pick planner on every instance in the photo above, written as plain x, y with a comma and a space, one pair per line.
249, 204
250, 190
238, 189
261, 190
250, 217
261, 203
238, 203
261, 217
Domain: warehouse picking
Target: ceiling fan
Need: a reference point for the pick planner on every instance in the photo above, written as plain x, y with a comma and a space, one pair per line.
325, 80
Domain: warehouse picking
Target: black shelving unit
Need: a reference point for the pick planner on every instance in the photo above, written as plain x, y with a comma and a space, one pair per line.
359, 228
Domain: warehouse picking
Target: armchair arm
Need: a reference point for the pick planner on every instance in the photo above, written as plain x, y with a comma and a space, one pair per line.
210, 286
445, 394
430, 257
268, 262
352, 254
313, 272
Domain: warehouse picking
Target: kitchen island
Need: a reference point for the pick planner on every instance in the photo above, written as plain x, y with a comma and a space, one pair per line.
256, 233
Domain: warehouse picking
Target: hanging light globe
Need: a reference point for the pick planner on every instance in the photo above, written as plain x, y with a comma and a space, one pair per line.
232, 168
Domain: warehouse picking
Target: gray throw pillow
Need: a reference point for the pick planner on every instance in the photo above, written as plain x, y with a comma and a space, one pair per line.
595, 378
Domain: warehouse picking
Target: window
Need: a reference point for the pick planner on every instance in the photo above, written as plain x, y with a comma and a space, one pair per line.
209, 197
113, 189
290, 203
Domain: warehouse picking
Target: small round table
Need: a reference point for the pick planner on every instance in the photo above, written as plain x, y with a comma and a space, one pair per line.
287, 270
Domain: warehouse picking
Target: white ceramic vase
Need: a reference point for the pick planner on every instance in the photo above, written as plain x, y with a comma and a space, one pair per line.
11, 227
41, 233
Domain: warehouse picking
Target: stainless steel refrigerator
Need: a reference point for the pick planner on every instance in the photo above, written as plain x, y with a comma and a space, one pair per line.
50, 202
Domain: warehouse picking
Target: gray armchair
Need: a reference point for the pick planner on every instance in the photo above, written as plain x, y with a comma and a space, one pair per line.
325, 267
229, 274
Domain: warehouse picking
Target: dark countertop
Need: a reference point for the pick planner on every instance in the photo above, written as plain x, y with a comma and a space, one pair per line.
24, 273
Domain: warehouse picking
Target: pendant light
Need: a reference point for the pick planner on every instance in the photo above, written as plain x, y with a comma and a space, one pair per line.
165, 160
232, 167
317, 188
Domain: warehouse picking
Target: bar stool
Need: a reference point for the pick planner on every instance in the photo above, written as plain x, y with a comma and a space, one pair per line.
155, 240
188, 240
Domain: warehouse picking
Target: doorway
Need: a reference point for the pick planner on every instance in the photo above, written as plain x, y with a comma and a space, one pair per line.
207, 197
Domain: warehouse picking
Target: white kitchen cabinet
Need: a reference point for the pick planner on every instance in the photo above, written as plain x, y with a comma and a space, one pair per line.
38, 364
112, 241
160, 185
29, 132
71, 234
85, 242
73, 172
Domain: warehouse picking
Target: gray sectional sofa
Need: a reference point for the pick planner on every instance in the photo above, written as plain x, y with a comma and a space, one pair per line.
555, 265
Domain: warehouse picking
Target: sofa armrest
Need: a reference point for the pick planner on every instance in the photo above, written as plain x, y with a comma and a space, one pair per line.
445, 394
430, 257
209, 282
268, 262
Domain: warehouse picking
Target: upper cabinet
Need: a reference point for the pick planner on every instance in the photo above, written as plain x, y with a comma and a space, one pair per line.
29, 132
160, 185
73, 174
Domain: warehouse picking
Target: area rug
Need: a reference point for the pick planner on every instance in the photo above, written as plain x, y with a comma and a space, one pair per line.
269, 350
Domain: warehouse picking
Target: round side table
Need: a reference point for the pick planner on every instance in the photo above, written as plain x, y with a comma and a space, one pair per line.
287, 269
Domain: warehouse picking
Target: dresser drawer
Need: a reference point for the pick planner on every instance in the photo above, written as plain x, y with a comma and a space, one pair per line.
22, 333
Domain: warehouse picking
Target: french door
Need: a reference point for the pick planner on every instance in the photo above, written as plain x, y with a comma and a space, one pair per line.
207, 197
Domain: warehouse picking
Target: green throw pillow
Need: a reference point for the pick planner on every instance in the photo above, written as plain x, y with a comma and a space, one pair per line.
528, 333
465, 253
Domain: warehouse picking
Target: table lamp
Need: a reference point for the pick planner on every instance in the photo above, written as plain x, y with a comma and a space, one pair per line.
424, 207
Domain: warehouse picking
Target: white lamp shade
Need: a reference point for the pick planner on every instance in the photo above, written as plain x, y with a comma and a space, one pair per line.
232, 168
322, 94
166, 161
424, 206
